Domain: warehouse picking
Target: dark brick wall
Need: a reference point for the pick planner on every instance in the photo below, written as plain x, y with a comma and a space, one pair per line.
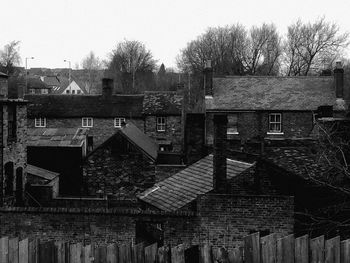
173, 132
251, 124
102, 129
222, 220
118, 173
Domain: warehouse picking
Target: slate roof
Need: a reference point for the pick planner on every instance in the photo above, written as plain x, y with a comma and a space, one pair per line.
185, 186
41, 172
140, 139
56, 137
271, 93
36, 83
63, 106
51, 80
162, 103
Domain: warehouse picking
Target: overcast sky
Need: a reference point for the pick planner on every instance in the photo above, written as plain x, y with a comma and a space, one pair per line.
52, 30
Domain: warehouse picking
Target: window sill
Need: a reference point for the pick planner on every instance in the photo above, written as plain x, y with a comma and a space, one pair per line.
275, 133
232, 133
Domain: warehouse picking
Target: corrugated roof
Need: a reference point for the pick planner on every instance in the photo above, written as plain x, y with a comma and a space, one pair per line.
129, 106
56, 137
271, 93
40, 172
141, 140
185, 186
162, 102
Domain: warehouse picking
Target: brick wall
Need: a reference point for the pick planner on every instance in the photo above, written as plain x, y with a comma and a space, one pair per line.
102, 129
118, 173
173, 132
221, 221
250, 124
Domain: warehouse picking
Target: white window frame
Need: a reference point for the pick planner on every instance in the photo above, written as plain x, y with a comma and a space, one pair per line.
273, 121
40, 122
85, 122
118, 122
44, 91
160, 124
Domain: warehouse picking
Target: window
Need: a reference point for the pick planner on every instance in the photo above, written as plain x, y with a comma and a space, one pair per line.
31, 91
73, 91
86, 122
232, 124
67, 91
40, 122
12, 122
44, 91
118, 122
161, 124
275, 122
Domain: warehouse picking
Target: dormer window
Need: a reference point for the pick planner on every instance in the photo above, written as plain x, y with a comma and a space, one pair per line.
87, 122
40, 122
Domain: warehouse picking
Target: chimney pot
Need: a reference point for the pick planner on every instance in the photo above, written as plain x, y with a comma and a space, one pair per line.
107, 88
338, 64
339, 80
208, 64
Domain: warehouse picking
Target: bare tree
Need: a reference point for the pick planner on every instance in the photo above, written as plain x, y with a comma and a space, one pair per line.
91, 64
130, 58
310, 46
9, 57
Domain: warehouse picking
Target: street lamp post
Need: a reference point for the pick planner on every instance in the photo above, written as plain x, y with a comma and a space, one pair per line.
69, 75
27, 73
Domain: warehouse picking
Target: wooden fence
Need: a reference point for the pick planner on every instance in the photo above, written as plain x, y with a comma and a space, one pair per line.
254, 250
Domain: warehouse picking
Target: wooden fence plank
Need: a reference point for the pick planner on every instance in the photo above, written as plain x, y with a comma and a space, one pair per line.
235, 256
13, 250
125, 253
138, 253
34, 251
151, 253
222, 255
112, 253
4, 249
178, 254
332, 248
206, 254
75, 253
46, 252
302, 249
317, 249
60, 252
102, 254
268, 248
345, 251
252, 248
285, 249
23, 251
87, 254
163, 254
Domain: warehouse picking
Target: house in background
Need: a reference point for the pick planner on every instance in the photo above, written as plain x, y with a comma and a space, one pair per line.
272, 107
13, 154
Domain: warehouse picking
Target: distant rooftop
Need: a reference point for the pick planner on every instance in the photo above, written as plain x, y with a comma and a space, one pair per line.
185, 186
162, 102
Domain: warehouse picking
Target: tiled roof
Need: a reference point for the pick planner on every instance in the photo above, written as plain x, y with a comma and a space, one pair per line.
271, 93
40, 172
51, 80
36, 83
53, 137
129, 106
141, 140
162, 102
185, 186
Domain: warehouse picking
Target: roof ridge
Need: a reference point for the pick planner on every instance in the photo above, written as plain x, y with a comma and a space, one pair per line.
254, 76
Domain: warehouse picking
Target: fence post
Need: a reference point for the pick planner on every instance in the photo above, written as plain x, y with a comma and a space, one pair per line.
317, 249
112, 253
4, 249
333, 250
285, 249
23, 251
302, 249
206, 254
177, 254
138, 252
13, 250
252, 248
268, 248
150, 253
345, 251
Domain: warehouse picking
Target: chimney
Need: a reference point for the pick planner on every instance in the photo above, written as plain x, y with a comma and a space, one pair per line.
107, 88
208, 79
219, 159
3, 85
339, 80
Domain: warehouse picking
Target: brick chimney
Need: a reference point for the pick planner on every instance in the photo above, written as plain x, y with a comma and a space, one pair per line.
339, 80
219, 159
107, 88
208, 79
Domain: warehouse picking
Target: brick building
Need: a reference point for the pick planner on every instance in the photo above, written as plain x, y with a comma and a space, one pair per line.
272, 107
13, 152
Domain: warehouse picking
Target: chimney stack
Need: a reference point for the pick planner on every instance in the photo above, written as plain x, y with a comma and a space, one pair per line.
208, 78
219, 159
107, 88
3, 85
339, 80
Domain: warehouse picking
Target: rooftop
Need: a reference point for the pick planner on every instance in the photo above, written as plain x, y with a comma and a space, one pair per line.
185, 186
162, 102
56, 137
41, 172
271, 93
